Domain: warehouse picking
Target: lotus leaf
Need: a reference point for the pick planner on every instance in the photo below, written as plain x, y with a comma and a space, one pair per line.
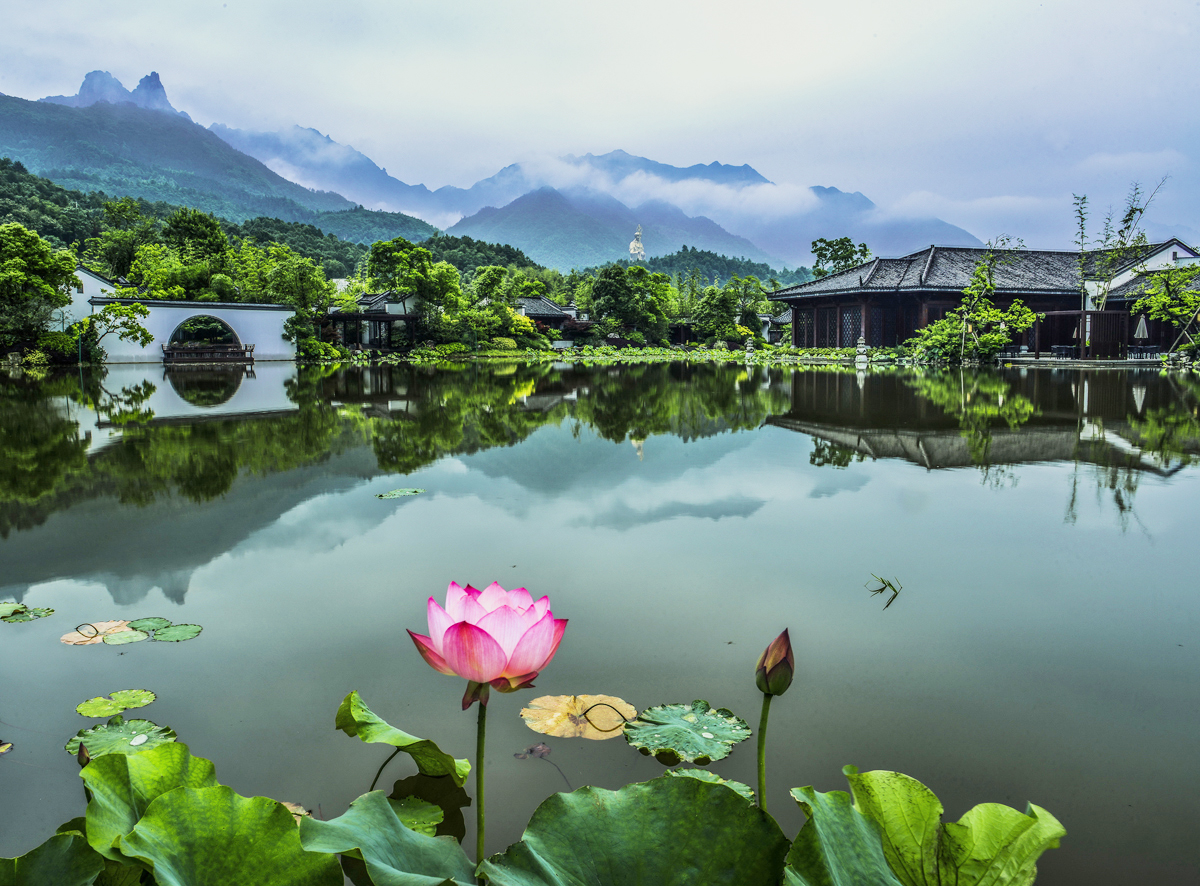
8, 607
93, 632
123, 786
578, 716
150, 624
123, 638
22, 613
177, 633
121, 700
213, 837
442, 791
694, 733
394, 855
838, 846
355, 719
120, 736
63, 860
664, 832
742, 790
297, 810
418, 815
991, 844
399, 493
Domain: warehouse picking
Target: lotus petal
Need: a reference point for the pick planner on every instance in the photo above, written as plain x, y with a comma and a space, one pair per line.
439, 621
431, 656
534, 650
507, 628
520, 599
472, 653
493, 596
456, 596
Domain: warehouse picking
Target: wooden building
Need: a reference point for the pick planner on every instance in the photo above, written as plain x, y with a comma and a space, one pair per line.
886, 300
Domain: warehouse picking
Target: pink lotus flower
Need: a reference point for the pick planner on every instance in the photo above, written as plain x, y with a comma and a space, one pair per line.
491, 637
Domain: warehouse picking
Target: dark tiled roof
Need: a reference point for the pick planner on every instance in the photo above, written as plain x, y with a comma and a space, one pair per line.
949, 268
542, 307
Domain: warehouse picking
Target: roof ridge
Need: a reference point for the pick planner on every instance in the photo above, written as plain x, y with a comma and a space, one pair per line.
928, 264
871, 274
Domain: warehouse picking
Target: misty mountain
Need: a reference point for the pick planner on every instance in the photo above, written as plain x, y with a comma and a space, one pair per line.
583, 228
101, 86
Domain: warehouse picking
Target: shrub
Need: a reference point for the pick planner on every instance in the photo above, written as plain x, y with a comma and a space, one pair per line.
503, 343
636, 338
61, 347
36, 359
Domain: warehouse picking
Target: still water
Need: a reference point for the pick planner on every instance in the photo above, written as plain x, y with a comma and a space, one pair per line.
1042, 523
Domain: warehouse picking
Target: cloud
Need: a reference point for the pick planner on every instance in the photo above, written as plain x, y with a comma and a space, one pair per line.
621, 516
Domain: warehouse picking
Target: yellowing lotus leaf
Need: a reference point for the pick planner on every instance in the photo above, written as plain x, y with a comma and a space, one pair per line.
93, 632
578, 716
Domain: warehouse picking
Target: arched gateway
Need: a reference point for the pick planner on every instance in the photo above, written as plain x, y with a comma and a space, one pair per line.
251, 324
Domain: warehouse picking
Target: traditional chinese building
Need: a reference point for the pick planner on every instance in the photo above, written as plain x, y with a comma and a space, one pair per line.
886, 300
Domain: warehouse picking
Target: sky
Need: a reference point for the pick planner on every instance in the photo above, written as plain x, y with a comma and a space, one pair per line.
989, 115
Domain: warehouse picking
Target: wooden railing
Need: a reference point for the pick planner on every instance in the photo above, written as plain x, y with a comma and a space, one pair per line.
207, 353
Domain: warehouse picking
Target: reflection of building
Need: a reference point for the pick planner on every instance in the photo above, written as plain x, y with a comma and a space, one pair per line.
887, 299
942, 420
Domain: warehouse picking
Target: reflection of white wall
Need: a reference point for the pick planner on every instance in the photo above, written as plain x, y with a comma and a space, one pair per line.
264, 392
259, 325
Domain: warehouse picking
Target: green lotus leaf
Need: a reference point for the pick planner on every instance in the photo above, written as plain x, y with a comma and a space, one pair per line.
394, 855
838, 845
8, 607
442, 791
121, 700
150, 624
694, 733
742, 790
664, 832
991, 844
177, 633
120, 736
63, 860
355, 719
399, 493
25, 613
123, 786
418, 815
213, 837
122, 638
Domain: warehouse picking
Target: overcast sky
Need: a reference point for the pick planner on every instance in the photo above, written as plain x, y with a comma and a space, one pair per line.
984, 113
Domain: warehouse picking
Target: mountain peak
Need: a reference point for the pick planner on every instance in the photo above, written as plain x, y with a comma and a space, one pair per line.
101, 86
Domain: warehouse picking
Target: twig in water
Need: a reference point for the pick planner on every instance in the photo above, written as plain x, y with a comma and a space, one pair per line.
884, 585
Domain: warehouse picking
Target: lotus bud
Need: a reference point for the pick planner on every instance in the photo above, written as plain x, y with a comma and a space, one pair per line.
776, 666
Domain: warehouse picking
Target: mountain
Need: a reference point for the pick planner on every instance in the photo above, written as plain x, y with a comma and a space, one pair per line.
101, 86
584, 228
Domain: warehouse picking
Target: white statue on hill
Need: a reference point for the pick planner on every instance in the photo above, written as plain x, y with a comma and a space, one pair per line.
637, 252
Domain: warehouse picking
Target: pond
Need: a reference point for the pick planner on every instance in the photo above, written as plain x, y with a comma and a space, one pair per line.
1044, 646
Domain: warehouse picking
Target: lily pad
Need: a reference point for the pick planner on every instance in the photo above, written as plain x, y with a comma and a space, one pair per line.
695, 733
355, 719
838, 845
442, 791
664, 832
120, 736
418, 815
23, 613
64, 860
394, 854
150, 624
399, 493
123, 638
115, 703
123, 786
90, 633
579, 716
742, 790
8, 607
196, 836
177, 633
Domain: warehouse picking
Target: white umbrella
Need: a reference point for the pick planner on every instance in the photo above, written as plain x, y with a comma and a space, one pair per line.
1142, 330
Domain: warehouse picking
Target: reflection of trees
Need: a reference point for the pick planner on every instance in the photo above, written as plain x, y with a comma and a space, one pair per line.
981, 401
826, 453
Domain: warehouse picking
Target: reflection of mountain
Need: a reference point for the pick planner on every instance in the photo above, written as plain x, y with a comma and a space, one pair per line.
948, 419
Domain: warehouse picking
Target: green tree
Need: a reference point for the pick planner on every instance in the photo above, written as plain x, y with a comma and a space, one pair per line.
34, 281
832, 256
716, 313
1171, 295
196, 236
118, 319
634, 297
125, 230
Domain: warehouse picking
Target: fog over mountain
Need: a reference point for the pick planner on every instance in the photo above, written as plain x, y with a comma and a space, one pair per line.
765, 220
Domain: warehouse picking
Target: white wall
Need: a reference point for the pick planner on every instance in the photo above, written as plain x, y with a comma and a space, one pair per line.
259, 325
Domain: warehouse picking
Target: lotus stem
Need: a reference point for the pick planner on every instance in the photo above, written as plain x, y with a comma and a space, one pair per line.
480, 741
380, 770
762, 752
